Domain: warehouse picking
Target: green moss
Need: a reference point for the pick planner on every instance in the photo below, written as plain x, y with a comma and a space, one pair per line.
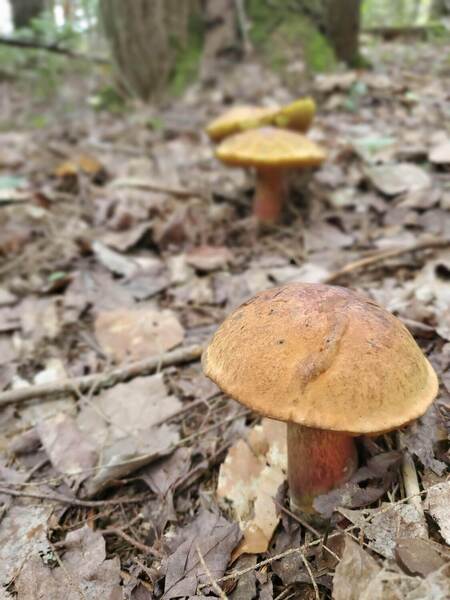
283, 35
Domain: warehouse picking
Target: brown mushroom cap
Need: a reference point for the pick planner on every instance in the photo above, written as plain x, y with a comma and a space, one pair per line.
323, 357
239, 118
270, 147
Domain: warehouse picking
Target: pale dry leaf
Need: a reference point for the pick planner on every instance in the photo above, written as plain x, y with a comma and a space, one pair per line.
139, 333
23, 533
438, 505
114, 261
249, 480
85, 572
126, 409
382, 526
127, 454
440, 154
354, 574
398, 178
209, 258
67, 448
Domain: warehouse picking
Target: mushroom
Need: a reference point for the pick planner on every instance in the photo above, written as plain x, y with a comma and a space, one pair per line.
329, 362
272, 152
238, 119
297, 115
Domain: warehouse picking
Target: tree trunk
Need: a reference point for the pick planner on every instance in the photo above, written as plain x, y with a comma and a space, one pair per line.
24, 11
145, 38
342, 27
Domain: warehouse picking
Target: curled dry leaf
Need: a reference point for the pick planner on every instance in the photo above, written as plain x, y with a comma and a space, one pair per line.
249, 479
136, 334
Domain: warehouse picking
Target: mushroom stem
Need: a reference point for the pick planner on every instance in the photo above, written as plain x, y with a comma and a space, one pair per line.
318, 461
269, 194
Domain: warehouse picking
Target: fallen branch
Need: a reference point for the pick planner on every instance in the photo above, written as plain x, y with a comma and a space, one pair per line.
369, 261
153, 186
101, 380
55, 48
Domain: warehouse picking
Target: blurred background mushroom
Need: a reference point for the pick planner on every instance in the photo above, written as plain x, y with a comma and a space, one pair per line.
271, 151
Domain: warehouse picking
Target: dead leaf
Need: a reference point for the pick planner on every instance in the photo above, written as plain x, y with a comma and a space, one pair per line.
209, 258
129, 335
355, 574
417, 556
440, 154
162, 475
112, 260
85, 572
127, 408
67, 448
438, 505
85, 163
23, 533
249, 480
382, 526
211, 535
398, 178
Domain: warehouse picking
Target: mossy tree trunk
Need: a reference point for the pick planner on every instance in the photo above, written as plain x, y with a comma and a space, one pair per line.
342, 28
145, 39
24, 11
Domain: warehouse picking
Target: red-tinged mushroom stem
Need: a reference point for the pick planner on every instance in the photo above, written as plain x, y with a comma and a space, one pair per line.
269, 194
318, 461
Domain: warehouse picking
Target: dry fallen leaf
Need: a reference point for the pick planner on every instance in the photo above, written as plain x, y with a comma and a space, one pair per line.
249, 480
354, 574
209, 258
417, 556
398, 178
83, 572
23, 533
440, 154
210, 535
438, 505
67, 448
139, 333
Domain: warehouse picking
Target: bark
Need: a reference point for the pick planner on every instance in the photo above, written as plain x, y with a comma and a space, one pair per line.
24, 11
221, 37
145, 39
342, 26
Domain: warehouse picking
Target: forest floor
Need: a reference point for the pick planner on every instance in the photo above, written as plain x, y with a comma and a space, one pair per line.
122, 239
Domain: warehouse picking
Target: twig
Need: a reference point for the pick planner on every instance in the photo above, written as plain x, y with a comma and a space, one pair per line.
176, 357
410, 480
55, 48
214, 583
384, 255
122, 534
70, 501
311, 575
149, 184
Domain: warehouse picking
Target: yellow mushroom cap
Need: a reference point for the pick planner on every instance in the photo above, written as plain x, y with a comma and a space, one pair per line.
297, 115
324, 357
270, 147
239, 118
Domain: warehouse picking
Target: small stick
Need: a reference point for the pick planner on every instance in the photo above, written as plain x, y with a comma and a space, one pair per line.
148, 184
411, 481
122, 534
311, 576
384, 255
83, 383
214, 583
70, 501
